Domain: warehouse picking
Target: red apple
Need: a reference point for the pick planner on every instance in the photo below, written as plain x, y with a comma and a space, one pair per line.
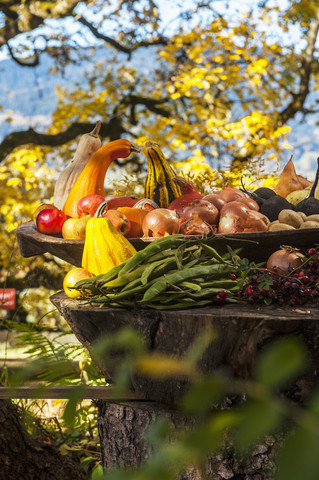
39, 208
119, 221
50, 221
74, 228
89, 204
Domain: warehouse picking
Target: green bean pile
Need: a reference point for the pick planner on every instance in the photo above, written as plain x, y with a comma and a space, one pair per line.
169, 273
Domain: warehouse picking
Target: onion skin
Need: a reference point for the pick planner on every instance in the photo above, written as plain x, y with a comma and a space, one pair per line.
160, 222
236, 217
286, 259
216, 200
205, 210
230, 194
249, 202
196, 226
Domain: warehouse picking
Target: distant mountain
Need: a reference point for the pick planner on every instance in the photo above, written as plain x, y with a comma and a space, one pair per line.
28, 96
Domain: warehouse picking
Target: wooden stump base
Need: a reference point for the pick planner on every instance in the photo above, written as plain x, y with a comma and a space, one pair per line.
122, 427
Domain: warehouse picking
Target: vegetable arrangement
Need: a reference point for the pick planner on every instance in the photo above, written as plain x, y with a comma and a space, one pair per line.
169, 273
175, 274
175, 271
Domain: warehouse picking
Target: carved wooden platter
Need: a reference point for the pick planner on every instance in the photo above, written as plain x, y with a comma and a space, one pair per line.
255, 246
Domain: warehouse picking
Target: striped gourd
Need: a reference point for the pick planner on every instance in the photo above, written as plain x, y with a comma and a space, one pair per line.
159, 185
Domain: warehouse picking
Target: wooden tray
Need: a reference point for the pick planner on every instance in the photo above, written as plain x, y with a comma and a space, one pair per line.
255, 246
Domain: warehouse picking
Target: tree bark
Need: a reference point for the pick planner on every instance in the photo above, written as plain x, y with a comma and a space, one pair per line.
29, 458
122, 427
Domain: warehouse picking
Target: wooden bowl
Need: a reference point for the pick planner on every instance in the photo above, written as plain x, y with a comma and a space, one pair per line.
255, 246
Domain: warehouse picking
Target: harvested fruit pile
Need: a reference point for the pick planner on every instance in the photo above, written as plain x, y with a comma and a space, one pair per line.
172, 273
171, 206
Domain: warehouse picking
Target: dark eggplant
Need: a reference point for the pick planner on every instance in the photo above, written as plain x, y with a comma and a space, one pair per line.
310, 205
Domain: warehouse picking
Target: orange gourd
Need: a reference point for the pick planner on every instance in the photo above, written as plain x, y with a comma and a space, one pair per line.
91, 180
136, 217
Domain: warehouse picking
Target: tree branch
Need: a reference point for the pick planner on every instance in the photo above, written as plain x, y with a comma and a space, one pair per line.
112, 130
22, 63
160, 40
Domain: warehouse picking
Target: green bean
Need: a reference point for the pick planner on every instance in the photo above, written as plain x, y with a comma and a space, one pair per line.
149, 269
191, 286
125, 279
207, 292
224, 284
191, 263
179, 276
170, 298
214, 253
132, 284
179, 306
159, 245
160, 255
161, 270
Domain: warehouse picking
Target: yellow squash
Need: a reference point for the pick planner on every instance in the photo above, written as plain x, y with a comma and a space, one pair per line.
104, 246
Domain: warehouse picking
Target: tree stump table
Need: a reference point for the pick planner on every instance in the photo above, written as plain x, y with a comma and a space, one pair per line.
241, 332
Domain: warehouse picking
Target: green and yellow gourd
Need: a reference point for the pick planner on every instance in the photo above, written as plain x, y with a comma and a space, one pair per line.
104, 247
159, 185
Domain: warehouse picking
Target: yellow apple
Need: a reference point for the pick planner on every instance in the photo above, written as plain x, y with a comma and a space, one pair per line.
72, 277
74, 228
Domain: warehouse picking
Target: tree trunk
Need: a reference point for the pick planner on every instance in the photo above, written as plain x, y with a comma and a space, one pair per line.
24, 457
122, 427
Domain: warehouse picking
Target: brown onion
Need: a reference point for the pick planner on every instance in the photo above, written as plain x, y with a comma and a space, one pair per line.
286, 259
216, 200
205, 210
236, 217
249, 202
230, 194
195, 226
160, 222
256, 222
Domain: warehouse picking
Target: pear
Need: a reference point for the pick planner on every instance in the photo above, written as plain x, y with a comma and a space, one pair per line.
298, 195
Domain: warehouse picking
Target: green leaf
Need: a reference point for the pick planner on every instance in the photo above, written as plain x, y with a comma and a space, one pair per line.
281, 362
97, 473
87, 460
210, 437
259, 417
158, 432
199, 345
298, 459
202, 395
